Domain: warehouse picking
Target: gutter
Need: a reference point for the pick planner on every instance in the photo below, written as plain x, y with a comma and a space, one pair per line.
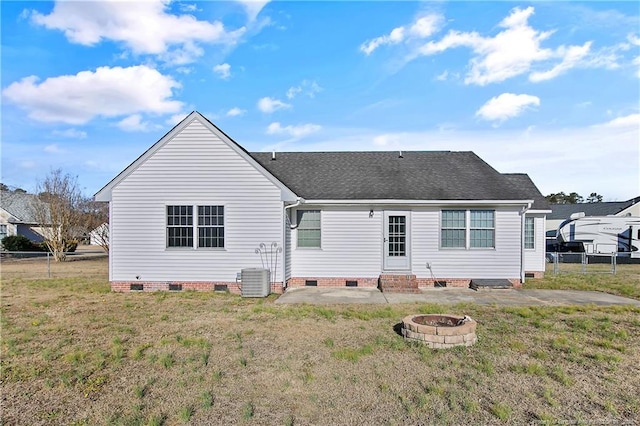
422, 202
286, 222
522, 225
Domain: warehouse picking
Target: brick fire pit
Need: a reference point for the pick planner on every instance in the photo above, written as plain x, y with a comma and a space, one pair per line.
440, 331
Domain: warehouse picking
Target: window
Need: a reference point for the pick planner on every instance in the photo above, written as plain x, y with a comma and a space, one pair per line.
482, 228
210, 226
181, 224
309, 228
467, 229
453, 229
3, 231
529, 233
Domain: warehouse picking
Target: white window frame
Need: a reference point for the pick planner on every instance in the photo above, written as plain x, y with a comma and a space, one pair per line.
195, 226
299, 214
467, 229
532, 220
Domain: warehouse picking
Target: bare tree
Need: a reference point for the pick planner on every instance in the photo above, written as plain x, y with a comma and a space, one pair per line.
58, 211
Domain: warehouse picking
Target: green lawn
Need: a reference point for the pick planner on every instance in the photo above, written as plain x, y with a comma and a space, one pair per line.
75, 353
626, 281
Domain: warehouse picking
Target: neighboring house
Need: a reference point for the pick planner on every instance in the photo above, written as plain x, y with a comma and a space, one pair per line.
192, 210
17, 215
100, 235
561, 212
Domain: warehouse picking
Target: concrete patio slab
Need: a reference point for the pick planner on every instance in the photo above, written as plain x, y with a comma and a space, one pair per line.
502, 297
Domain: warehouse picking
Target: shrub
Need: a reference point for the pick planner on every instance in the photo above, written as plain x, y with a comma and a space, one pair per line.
69, 246
19, 243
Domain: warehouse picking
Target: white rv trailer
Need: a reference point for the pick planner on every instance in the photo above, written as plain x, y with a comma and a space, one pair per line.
601, 234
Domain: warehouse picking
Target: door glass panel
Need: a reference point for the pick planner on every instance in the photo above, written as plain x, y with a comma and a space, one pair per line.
397, 236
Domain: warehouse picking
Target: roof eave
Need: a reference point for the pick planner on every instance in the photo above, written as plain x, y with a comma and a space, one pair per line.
420, 202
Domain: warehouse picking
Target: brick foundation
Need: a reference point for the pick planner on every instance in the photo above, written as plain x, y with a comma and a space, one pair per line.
232, 287
536, 274
332, 281
402, 283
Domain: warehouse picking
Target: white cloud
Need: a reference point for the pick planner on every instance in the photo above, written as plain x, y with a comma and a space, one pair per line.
189, 7
515, 50
627, 121
70, 133
173, 37
571, 57
223, 71
134, 123
442, 76
176, 118
308, 88
184, 70
253, 7
635, 40
52, 149
422, 27
269, 105
296, 132
107, 92
505, 106
386, 140
235, 111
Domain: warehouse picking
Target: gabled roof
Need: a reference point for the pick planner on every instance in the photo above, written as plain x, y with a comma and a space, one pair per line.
416, 175
336, 176
20, 206
104, 194
563, 211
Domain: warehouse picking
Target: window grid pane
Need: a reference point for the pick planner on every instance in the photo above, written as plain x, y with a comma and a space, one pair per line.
482, 228
211, 226
397, 236
308, 228
529, 233
179, 226
452, 234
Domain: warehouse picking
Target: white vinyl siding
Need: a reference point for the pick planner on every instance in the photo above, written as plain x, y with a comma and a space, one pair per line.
503, 261
309, 233
529, 233
351, 245
194, 168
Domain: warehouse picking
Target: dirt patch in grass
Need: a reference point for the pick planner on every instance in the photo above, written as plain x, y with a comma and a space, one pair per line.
74, 353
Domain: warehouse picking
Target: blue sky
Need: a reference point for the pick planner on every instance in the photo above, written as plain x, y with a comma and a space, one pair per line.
548, 89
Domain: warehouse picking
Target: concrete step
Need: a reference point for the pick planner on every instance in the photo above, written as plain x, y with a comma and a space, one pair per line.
485, 284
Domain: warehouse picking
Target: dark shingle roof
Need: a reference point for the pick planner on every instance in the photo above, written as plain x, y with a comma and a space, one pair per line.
418, 175
563, 211
19, 205
524, 182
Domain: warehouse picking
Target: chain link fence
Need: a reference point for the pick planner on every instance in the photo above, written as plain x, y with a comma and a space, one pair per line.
42, 265
583, 263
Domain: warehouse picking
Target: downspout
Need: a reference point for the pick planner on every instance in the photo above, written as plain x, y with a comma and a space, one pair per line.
522, 226
285, 217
